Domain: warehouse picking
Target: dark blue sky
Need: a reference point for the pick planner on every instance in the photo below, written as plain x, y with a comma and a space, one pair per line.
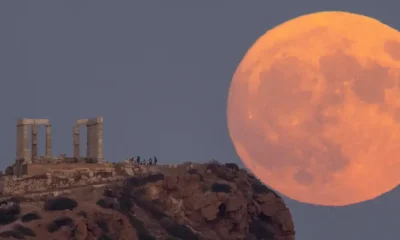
159, 72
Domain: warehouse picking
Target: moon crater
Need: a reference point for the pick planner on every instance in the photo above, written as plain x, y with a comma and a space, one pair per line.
392, 48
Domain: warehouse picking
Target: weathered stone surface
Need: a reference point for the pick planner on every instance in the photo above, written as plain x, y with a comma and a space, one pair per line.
209, 212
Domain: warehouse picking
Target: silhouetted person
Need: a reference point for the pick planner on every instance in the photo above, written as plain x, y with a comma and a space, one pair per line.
155, 160
150, 161
138, 160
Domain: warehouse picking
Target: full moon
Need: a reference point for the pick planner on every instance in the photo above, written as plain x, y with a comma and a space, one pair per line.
314, 108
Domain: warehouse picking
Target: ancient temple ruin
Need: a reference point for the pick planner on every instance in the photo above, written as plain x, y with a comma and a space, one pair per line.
27, 160
23, 153
94, 139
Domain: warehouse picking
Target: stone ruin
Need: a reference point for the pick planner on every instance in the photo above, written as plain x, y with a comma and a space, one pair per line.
31, 173
23, 153
94, 146
27, 156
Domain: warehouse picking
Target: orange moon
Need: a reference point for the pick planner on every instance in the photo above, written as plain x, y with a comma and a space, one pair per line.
314, 108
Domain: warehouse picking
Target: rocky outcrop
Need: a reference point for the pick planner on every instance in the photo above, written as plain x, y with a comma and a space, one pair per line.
187, 202
209, 201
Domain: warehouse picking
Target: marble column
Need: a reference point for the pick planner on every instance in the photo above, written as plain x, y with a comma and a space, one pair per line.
76, 141
19, 139
34, 148
99, 137
48, 151
25, 143
89, 139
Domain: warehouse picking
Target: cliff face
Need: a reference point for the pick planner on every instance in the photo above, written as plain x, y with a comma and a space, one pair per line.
188, 202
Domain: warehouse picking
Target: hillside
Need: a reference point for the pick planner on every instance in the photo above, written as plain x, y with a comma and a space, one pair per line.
188, 202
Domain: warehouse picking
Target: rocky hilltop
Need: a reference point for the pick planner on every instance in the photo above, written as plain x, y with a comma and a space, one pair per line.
188, 202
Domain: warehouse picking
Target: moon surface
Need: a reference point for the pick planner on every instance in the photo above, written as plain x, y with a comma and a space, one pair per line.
314, 108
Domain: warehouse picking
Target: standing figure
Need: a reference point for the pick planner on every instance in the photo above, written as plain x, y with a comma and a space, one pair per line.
150, 161
155, 160
138, 160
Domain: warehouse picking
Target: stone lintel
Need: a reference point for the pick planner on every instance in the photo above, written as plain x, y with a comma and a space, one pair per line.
81, 122
89, 121
29, 121
94, 121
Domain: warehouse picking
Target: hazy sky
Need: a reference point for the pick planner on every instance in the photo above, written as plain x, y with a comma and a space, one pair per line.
158, 71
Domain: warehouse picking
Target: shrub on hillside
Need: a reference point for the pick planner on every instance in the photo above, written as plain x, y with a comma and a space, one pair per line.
9, 211
60, 203
218, 187
233, 166
58, 223
30, 216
